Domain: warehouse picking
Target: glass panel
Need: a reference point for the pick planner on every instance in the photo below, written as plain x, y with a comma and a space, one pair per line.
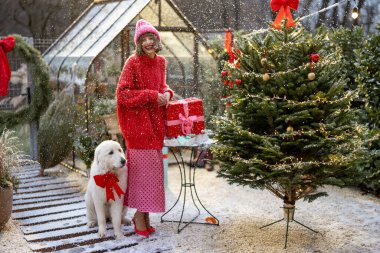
179, 56
91, 40
149, 13
92, 32
97, 36
210, 85
169, 16
67, 38
58, 64
116, 26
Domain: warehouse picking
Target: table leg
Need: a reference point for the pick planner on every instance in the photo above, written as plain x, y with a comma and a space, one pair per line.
185, 183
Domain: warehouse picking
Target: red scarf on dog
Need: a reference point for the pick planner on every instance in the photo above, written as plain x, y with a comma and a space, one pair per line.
109, 181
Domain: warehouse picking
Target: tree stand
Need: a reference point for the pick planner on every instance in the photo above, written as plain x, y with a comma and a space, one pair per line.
289, 217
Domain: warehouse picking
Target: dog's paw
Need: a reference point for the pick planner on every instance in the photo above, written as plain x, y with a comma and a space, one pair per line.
126, 221
91, 224
102, 232
119, 235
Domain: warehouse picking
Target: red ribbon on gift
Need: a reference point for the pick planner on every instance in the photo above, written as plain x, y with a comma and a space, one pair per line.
6, 45
109, 181
186, 121
284, 7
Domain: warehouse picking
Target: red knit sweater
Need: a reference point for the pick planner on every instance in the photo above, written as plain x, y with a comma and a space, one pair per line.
141, 120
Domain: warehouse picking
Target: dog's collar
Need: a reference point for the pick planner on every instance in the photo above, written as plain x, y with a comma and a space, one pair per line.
109, 181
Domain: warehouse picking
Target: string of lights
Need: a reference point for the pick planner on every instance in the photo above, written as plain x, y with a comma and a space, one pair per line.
354, 14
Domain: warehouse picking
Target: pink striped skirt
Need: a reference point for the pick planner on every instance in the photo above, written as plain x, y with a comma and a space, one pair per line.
145, 184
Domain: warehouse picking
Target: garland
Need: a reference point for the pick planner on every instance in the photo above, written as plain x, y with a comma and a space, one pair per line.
41, 94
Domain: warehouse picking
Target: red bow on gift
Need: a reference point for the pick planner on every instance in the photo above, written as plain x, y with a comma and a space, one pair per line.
109, 181
284, 7
6, 45
187, 123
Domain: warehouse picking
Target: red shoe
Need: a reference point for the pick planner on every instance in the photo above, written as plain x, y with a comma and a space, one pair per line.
144, 233
151, 230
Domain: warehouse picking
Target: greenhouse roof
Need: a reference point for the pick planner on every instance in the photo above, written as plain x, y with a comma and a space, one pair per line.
70, 57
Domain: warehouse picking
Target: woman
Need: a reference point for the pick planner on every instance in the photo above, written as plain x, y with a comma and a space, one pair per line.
142, 95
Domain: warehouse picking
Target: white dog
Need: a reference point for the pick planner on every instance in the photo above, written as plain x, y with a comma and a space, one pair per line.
108, 167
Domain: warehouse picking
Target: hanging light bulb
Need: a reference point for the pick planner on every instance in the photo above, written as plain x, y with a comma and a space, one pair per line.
355, 13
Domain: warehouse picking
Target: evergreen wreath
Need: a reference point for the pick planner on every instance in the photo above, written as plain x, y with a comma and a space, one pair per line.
41, 94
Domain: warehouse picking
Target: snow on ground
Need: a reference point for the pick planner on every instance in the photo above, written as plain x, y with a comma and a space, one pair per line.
347, 221
11, 239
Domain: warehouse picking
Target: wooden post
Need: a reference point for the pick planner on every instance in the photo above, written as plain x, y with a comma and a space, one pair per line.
124, 46
196, 66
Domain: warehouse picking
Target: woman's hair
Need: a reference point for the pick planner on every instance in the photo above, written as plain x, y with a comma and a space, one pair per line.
157, 43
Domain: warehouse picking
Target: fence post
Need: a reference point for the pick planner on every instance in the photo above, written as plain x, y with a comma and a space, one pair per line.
33, 125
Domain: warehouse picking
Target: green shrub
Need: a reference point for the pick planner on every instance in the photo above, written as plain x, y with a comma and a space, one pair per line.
56, 132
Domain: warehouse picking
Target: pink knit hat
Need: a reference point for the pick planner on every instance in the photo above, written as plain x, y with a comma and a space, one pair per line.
142, 27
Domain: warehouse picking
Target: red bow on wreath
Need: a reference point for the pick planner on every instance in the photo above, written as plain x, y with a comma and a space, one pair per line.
109, 181
284, 7
6, 45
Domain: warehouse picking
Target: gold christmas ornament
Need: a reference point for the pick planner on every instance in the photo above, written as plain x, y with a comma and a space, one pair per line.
289, 129
263, 61
266, 77
311, 76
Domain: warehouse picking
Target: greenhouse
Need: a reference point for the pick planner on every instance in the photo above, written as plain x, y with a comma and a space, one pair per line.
92, 51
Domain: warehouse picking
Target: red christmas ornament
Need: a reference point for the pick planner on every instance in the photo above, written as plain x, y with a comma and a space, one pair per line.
231, 84
314, 57
238, 81
284, 7
6, 45
224, 73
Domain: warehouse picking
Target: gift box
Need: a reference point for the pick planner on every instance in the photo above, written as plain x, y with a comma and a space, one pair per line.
184, 117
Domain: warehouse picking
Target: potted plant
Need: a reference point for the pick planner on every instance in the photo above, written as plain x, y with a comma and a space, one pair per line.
106, 109
9, 159
113, 73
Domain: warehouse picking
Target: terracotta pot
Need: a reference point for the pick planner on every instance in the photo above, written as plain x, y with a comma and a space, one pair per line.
112, 124
6, 200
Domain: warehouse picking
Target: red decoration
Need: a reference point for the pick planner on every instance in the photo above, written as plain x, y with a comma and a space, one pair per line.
228, 43
284, 7
238, 81
231, 83
228, 46
184, 117
314, 57
224, 73
109, 181
6, 45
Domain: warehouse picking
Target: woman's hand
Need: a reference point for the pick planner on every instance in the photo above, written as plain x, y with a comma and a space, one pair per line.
161, 100
167, 95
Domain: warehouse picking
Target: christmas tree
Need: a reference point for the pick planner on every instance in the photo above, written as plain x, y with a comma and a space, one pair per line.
369, 82
290, 127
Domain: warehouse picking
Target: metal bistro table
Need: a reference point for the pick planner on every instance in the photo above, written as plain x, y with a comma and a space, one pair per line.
188, 181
